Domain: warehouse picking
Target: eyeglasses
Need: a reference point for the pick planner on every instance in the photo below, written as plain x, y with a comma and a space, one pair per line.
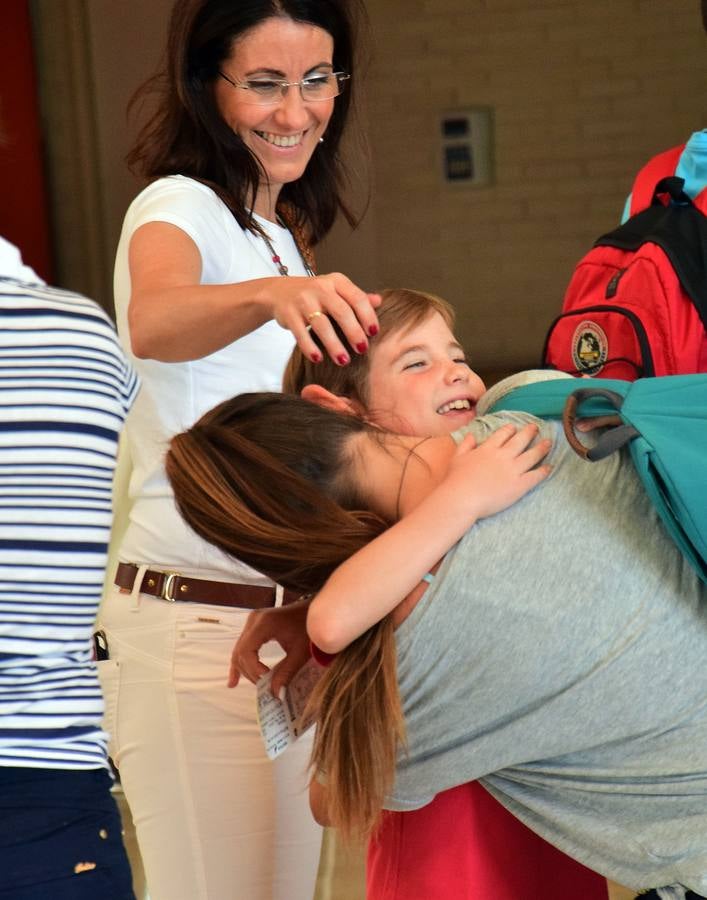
270, 91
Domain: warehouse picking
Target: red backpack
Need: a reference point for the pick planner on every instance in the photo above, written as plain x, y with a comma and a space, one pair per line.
636, 304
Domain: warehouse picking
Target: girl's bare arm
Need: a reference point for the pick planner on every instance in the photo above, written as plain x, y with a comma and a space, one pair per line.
480, 481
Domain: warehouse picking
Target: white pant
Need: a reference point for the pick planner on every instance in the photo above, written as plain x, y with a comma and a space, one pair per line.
215, 819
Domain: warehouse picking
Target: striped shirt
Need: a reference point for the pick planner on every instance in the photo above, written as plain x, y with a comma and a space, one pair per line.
65, 390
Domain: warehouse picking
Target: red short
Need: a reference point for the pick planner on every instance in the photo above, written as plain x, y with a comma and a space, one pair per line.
466, 846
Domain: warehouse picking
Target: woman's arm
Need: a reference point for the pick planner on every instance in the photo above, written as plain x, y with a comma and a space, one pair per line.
480, 481
284, 624
173, 318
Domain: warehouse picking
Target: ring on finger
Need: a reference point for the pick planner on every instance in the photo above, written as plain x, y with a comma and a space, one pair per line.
313, 315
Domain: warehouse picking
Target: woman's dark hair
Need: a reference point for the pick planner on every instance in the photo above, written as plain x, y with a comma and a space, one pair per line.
264, 478
187, 135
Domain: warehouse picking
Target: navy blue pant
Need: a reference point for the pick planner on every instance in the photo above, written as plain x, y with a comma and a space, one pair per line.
60, 837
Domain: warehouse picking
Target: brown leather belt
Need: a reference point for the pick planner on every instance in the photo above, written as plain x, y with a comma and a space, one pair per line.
173, 587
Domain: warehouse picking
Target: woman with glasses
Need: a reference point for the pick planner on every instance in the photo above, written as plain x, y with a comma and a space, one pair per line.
214, 283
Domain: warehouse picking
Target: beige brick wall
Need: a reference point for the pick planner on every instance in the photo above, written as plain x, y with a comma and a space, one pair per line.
582, 93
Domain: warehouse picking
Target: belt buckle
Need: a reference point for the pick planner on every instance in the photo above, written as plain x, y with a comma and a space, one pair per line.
167, 592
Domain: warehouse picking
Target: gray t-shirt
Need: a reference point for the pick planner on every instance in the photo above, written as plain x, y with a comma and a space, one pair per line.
560, 656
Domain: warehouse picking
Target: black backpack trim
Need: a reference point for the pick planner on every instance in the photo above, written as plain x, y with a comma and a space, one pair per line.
679, 229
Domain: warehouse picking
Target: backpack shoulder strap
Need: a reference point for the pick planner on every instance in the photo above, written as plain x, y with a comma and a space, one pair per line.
547, 399
661, 166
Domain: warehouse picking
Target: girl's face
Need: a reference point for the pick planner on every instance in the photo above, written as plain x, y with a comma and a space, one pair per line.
285, 135
420, 383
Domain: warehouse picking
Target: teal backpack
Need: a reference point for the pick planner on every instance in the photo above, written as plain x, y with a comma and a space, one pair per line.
664, 423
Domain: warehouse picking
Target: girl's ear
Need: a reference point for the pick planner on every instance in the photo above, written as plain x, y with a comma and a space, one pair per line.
315, 393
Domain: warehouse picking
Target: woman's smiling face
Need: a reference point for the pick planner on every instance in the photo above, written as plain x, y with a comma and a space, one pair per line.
284, 136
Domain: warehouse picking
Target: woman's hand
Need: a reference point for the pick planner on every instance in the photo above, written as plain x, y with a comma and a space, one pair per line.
305, 305
284, 624
490, 477
173, 317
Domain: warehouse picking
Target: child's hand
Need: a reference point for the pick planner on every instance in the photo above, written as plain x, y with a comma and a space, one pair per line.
494, 475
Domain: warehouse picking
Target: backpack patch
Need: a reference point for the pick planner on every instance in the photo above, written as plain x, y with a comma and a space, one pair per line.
590, 347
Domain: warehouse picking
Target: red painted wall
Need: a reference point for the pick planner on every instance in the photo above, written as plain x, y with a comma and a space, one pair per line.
24, 212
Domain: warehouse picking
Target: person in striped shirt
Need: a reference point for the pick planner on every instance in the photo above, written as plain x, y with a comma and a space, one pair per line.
65, 390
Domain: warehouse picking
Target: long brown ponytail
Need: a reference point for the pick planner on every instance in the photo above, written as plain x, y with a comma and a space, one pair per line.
264, 478
360, 729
